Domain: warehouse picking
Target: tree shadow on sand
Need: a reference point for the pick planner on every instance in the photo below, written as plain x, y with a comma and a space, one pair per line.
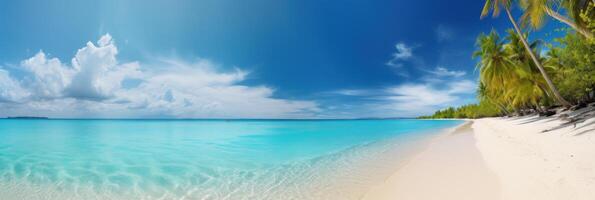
591, 130
576, 119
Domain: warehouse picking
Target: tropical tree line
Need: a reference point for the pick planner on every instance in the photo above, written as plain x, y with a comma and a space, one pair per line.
518, 75
472, 111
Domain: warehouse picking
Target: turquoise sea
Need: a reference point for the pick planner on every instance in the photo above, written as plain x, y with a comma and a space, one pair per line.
204, 159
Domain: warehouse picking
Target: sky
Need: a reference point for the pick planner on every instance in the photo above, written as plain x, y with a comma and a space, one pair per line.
239, 59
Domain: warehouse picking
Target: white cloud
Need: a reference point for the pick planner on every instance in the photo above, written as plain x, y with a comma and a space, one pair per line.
421, 98
46, 78
196, 90
98, 74
418, 94
462, 87
403, 52
95, 73
351, 92
412, 99
10, 90
91, 86
442, 71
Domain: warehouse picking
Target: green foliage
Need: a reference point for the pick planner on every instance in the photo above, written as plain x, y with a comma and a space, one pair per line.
572, 62
572, 59
510, 81
587, 16
473, 111
507, 74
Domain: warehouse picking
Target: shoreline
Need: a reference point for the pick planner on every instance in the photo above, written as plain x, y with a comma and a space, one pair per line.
344, 174
500, 158
448, 168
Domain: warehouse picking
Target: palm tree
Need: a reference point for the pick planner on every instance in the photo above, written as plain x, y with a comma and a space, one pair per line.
486, 96
495, 66
507, 76
495, 5
496, 69
535, 10
528, 87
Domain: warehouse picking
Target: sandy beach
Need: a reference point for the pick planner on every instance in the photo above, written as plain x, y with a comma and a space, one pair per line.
501, 158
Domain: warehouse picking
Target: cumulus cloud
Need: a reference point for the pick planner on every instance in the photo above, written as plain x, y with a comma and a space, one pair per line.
94, 73
92, 86
10, 90
98, 73
46, 78
442, 72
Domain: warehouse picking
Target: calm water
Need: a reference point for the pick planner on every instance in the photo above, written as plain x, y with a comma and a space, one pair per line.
202, 159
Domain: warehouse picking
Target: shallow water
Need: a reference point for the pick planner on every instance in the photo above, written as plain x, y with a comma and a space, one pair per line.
202, 159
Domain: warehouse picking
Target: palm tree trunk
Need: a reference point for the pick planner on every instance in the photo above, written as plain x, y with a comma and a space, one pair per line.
549, 82
568, 22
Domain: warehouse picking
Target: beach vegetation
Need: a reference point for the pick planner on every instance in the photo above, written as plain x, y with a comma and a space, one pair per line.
518, 76
495, 6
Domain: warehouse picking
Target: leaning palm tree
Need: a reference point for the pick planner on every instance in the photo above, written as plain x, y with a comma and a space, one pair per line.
535, 11
495, 5
506, 73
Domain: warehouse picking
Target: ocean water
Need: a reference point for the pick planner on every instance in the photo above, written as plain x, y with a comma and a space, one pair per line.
203, 159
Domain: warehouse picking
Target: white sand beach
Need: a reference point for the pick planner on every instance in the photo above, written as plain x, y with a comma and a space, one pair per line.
501, 158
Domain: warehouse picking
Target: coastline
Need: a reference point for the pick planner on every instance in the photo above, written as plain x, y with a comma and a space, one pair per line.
500, 158
449, 168
343, 174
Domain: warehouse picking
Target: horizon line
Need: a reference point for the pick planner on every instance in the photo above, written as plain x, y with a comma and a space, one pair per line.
213, 119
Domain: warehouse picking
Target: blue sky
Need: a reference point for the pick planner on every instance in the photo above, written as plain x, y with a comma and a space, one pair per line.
239, 59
